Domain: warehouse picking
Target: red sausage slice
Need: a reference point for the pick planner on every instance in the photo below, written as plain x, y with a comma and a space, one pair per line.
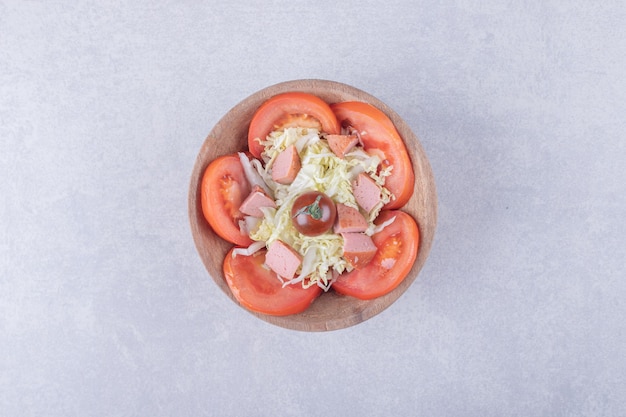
255, 201
282, 259
341, 144
349, 220
358, 249
286, 166
366, 192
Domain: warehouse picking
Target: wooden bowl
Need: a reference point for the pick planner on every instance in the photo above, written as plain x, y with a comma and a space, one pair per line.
330, 311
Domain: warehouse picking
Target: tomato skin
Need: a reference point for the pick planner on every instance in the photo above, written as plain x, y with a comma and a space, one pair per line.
224, 187
305, 222
397, 245
258, 288
381, 136
289, 109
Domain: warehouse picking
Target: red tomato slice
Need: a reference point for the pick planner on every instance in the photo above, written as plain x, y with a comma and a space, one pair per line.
290, 110
380, 135
259, 289
223, 189
397, 249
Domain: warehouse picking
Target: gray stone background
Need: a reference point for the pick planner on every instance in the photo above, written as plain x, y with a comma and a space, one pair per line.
106, 309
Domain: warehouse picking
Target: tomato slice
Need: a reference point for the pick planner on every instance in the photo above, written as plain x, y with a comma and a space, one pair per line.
378, 134
397, 250
290, 110
259, 289
223, 189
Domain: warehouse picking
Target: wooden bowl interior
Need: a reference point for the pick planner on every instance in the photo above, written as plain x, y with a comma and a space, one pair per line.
330, 311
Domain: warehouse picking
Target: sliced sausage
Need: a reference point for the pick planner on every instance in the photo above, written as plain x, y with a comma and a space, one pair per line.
349, 220
283, 259
366, 192
358, 249
255, 200
286, 166
342, 144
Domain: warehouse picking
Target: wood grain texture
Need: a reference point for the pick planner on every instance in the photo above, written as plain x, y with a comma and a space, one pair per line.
331, 311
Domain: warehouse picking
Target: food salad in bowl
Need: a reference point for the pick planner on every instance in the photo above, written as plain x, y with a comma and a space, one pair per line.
312, 205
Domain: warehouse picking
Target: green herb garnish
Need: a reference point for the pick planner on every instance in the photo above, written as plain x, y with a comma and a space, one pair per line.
314, 210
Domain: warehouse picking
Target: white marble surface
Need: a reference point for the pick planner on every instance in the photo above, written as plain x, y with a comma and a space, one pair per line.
106, 309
